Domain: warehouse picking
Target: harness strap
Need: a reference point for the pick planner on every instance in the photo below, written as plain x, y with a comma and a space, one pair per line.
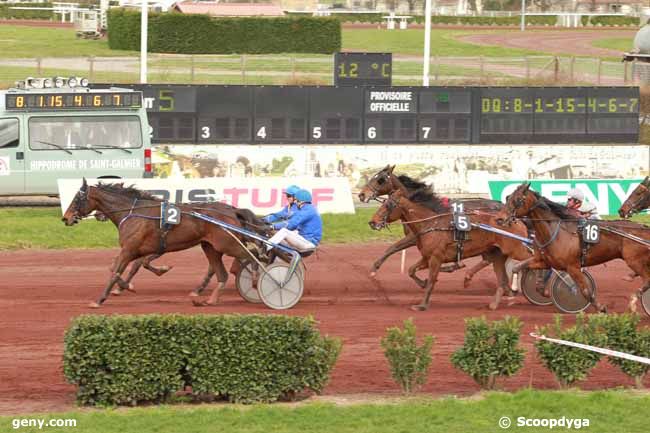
127, 216
552, 239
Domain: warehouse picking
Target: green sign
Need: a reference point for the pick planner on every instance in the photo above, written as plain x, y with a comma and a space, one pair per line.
607, 194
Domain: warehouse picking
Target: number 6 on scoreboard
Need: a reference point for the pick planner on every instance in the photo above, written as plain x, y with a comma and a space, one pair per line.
372, 132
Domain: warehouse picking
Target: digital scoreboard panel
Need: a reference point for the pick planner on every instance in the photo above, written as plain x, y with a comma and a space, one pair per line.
52, 101
559, 114
363, 69
386, 115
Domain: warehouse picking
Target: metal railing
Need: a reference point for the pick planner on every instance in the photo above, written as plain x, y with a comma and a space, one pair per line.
318, 70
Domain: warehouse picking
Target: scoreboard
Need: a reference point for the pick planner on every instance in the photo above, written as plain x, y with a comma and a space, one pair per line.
386, 115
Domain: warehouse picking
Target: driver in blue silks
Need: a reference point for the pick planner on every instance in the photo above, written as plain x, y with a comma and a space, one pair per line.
304, 229
286, 212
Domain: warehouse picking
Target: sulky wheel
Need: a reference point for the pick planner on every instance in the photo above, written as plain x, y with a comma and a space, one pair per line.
246, 283
274, 293
533, 282
566, 294
645, 302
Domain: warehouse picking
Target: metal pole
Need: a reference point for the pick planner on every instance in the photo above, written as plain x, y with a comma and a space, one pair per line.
144, 18
523, 15
427, 43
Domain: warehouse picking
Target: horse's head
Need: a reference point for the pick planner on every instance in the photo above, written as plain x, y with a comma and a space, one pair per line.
519, 203
378, 185
637, 201
388, 212
81, 205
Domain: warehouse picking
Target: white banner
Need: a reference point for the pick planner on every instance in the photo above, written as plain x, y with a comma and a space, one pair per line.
262, 195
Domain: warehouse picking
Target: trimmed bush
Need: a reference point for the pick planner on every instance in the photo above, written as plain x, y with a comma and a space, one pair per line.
490, 350
6, 12
202, 34
570, 364
614, 21
409, 363
243, 358
623, 335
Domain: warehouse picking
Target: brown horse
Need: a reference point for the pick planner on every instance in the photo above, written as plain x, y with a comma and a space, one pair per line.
385, 182
430, 223
245, 216
137, 216
638, 201
559, 244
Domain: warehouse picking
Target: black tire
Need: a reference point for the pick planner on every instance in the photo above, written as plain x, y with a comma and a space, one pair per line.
645, 302
529, 288
566, 295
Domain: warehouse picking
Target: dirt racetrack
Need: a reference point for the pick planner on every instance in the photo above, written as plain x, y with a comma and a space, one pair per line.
558, 42
40, 291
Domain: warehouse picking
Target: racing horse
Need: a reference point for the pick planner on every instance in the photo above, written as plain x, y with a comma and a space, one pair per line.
385, 182
558, 241
638, 201
137, 216
246, 218
429, 221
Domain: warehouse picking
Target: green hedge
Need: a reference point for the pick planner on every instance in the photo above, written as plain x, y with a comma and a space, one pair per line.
202, 34
148, 358
614, 21
6, 12
550, 20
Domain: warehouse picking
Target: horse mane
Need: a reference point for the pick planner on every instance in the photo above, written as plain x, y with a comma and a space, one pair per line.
559, 210
412, 184
129, 191
427, 198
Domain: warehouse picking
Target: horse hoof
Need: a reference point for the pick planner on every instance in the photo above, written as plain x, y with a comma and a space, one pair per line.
116, 292
466, 281
130, 288
373, 274
628, 278
493, 306
194, 294
419, 307
94, 305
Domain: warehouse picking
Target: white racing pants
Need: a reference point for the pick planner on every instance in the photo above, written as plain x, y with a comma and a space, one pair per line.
292, 239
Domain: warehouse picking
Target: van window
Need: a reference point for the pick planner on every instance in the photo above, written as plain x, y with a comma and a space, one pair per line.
83, 132
9, 133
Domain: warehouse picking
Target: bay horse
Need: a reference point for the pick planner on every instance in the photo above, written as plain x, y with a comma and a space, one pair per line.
137, 216
559, 245
245, 216
385, 182
638, 201
429, 221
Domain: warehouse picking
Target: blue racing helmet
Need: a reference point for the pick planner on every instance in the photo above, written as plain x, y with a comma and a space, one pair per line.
303, 195
292, 190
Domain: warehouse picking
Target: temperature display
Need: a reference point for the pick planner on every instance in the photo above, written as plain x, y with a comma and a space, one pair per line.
363, 69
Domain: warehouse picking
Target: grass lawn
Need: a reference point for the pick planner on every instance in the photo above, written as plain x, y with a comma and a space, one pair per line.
32, 42
42, 228
606, 412
620, 44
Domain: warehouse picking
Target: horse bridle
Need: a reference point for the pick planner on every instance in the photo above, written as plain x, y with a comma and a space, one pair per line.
381, 179
635, 203
390, 204
518, 203
80, 198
